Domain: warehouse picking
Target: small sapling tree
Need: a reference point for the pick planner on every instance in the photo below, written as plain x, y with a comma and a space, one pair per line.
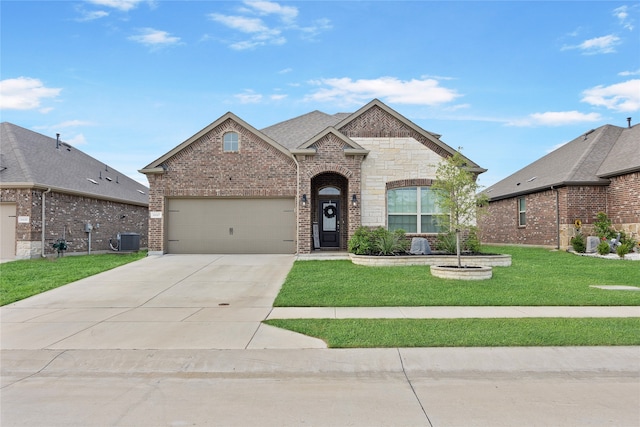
458, 196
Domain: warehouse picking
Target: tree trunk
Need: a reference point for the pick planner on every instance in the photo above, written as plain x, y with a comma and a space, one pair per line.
458, 248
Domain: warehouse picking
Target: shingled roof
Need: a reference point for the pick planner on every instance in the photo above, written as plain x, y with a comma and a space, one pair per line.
294, 132
590, 159
32, 160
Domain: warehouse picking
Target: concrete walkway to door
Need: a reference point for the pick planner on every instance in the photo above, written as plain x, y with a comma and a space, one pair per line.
160, 302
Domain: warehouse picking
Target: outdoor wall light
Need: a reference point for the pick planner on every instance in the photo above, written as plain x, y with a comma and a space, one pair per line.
354, 201
303, 199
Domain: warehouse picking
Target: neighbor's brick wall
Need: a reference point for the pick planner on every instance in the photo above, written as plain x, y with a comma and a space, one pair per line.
203, 170
65, 216
500, 223
623, 202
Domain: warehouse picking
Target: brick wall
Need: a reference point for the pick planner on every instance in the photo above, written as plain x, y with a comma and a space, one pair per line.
330, 159
500, 225
202, 169
66, 215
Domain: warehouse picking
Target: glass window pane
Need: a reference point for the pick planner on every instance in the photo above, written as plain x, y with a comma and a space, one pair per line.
428, 199
403, 200
407, 223
230, 141
329, 191
431, 224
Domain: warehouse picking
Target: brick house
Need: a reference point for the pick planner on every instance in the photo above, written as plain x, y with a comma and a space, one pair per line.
301, 185
539, 204
50, 190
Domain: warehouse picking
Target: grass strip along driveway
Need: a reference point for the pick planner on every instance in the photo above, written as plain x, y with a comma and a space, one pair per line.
24, 278
537, 277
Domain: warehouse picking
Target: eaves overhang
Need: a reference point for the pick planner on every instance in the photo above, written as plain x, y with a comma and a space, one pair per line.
37, 186
538, 189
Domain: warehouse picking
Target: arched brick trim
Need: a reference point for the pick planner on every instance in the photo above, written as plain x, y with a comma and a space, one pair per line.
418, 182
329, 167
377, 123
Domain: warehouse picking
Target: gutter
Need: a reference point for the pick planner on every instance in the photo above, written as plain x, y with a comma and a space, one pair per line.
43, 220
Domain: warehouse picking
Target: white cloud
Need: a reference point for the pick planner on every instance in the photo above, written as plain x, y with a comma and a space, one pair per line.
623, 97
278, 97
122, 5
92, 15
24, 93
556, 118
630, 73
416, 91
597, 45
155, 38
286, 13
248, 97
622, 13
255, 18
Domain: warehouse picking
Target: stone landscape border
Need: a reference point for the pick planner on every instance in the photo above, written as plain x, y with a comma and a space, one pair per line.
500, 260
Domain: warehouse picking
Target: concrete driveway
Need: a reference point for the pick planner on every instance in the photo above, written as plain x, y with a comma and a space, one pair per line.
168, 302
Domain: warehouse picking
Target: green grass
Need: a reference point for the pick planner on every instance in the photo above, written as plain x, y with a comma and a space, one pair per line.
367, 333
537, 277
22, 279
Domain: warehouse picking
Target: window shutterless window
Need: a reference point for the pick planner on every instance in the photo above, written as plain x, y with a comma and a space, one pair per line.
522, 212
414, 210
230, 142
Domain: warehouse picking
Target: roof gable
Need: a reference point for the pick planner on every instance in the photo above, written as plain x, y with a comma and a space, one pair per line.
156, 165
352, 127
30, 159
351, 147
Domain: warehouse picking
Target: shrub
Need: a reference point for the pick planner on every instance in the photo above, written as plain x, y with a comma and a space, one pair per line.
604, 248
447, 242
379, 241
579, 243
622, 250
603, 226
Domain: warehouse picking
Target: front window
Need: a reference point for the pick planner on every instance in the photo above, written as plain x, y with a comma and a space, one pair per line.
522, 212
230, 142
414, 210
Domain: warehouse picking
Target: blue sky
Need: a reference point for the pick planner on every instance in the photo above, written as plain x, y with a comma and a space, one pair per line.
508, 81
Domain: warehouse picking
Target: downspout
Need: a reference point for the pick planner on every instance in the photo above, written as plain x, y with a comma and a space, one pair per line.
297, 202
43, 220
557, 217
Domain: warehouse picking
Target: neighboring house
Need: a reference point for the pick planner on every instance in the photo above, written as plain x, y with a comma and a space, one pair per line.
539, 205
301, 185
50, 190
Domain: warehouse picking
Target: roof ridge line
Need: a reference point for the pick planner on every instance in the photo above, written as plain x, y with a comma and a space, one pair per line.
18, 153
586, 153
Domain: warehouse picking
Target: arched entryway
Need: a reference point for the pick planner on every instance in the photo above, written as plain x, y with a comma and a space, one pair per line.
329, 211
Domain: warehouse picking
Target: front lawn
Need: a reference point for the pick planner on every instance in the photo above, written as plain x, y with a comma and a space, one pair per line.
537, 277
366, 333
22, 279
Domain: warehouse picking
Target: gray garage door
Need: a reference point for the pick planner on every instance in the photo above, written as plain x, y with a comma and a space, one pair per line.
231, 226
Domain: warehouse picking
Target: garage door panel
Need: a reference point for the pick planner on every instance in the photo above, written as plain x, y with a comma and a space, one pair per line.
231, 226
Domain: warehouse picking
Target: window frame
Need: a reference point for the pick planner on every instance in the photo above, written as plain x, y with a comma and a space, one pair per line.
233, 144
522, 212
418, 214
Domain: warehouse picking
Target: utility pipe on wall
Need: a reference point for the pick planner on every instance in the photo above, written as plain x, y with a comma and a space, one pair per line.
42, 254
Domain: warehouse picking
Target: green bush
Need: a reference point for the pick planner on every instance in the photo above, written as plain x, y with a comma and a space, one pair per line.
378, 241
604, 248
622, 250
579, 243
603, 226
446, 242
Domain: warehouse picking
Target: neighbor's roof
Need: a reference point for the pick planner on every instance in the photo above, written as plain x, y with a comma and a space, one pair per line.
590, 159
29, 159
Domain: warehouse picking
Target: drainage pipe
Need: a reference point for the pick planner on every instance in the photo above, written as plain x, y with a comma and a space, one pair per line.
557, 216
42, 254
